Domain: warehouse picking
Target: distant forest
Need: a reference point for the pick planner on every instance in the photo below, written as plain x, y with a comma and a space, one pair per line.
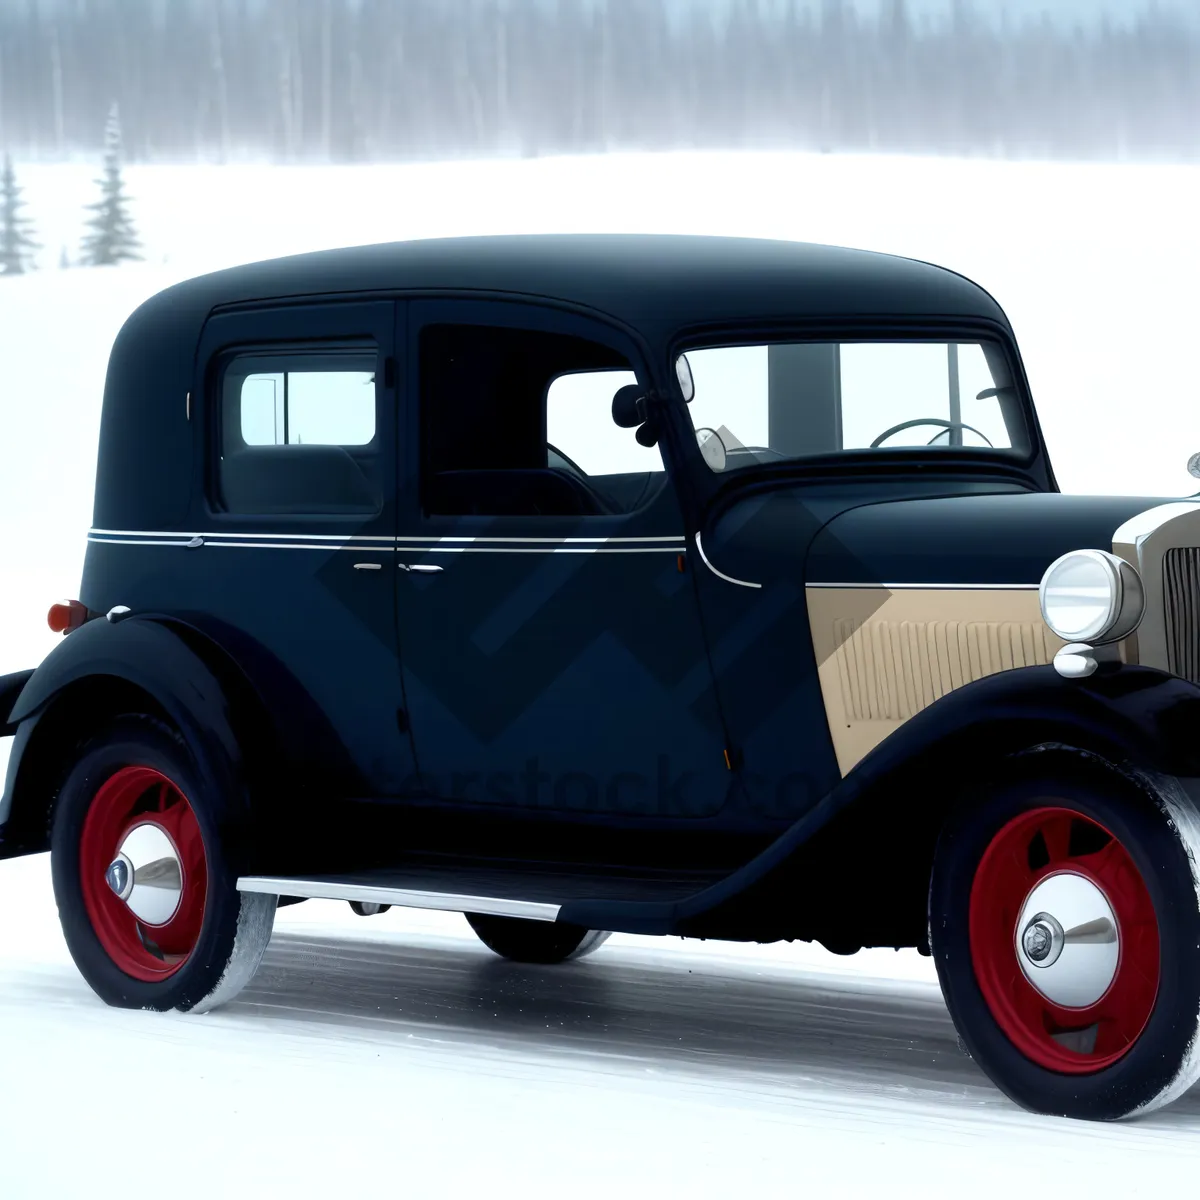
370, 80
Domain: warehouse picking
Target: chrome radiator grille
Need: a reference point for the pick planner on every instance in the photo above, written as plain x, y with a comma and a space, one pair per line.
1181, 600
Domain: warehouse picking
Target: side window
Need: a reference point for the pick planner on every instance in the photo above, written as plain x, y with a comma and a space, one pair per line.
518, 422
328, 408
579, 425
298, 433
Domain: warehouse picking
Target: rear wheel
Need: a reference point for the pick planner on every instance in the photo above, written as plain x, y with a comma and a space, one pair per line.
522, 940
1065, 926
146, 894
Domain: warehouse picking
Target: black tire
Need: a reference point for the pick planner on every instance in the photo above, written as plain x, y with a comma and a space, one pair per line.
1157, 832
235, 926
546, 942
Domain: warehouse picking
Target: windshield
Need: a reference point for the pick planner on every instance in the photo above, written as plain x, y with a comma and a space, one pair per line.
787, 400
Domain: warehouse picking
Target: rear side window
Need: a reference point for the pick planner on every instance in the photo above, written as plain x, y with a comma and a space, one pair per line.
298, 433
329, 408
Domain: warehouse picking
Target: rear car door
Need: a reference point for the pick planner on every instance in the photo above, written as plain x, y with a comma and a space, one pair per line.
298, 514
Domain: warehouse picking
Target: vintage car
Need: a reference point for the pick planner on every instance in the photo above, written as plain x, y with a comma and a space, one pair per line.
714, 588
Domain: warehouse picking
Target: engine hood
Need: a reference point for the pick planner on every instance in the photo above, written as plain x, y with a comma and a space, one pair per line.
972, 540
892, 601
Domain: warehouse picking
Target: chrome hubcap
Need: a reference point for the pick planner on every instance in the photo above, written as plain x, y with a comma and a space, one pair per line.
1043, 940
119, 877
1067, 940
147, 875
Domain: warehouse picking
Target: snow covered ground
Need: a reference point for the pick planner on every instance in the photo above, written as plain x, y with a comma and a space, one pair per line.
395, 1051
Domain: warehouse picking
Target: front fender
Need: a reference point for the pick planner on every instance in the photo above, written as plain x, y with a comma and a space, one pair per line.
1132, 716
1141, 714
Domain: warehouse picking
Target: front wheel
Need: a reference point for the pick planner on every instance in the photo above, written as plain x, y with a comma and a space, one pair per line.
523, 940
1065, 926
146, 894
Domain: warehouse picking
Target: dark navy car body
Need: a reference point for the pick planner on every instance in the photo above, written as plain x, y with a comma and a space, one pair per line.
344, 547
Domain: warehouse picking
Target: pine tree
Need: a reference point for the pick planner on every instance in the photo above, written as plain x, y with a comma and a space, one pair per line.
16, 244
112, 238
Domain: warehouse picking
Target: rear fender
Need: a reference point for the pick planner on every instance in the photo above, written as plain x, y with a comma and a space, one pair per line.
11, 686
234, 703
159, 664
98, 671
143, 653
285, 735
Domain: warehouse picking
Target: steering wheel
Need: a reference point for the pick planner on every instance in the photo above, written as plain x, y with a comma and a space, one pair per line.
887, 433
571, 464
775, 454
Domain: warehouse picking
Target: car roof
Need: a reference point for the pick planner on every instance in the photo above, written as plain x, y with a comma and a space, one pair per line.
658, 284
666, 280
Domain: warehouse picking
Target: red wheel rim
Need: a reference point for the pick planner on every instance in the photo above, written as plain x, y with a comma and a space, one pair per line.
144, 803
1035, 855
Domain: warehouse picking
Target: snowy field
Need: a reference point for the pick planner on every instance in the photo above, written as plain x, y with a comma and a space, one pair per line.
395, 1052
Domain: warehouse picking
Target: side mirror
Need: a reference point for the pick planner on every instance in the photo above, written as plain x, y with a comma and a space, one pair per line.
629, 412
992, 392
683, 372
626, 407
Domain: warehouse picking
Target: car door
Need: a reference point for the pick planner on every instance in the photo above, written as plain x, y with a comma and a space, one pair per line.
553, 655
298, 519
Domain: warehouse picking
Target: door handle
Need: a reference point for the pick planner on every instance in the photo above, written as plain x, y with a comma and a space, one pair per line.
368, 566
420, 568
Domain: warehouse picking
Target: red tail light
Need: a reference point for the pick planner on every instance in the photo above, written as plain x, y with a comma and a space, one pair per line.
68, 615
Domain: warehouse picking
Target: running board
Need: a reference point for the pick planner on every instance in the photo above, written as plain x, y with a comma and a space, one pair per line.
349, 888
536, 895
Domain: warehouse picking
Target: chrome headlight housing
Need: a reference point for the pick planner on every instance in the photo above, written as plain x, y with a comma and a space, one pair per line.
1092, 596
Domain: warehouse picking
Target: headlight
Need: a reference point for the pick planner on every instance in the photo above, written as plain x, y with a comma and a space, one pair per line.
1091, 596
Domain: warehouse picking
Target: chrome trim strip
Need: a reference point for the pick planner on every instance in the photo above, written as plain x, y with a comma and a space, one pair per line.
931, 587
384, 539
334, 889
113, 541
542, 550
214, 545
543, 541
399, 548
720, 574
228, 533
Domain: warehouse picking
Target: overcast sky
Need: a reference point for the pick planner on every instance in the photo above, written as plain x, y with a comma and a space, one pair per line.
1074, 11
1066, 11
